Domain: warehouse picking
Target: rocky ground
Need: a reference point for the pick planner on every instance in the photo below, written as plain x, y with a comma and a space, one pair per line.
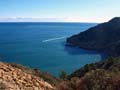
12, 78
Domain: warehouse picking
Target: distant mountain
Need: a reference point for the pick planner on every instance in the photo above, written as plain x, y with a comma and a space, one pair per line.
103, 37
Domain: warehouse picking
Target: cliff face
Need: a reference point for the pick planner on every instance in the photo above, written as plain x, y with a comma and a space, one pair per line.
103, 37
12, 78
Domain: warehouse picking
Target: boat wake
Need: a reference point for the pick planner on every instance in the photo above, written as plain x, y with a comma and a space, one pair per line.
53, 39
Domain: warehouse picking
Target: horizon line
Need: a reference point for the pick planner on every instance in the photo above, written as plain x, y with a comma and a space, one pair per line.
47, 22
55, 19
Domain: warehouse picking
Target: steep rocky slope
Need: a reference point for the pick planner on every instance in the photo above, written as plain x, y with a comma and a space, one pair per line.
103, 37
13, 78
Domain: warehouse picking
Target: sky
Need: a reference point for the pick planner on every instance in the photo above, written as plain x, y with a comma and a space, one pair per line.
58, 10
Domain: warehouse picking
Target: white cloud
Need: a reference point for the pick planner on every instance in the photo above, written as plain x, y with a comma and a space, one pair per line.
54, 19
31, 19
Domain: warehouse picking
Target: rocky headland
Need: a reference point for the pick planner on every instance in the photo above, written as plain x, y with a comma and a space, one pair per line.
103, 37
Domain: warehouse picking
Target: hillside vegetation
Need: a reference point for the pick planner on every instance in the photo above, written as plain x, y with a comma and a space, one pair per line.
104, 75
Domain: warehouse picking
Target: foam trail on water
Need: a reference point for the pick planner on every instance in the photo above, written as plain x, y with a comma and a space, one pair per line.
52, 39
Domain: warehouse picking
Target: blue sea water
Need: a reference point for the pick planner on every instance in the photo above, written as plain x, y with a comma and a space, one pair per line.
42, 46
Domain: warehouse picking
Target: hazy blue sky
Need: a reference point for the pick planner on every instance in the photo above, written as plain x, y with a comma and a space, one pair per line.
59, 10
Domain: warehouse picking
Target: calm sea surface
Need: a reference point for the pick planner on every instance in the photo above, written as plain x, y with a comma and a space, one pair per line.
42, 46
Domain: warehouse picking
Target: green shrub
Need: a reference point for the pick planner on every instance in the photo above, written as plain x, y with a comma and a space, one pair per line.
63, 75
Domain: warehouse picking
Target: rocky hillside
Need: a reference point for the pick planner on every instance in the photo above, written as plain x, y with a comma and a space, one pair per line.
14, 78
103, 37
111, 64
103, 75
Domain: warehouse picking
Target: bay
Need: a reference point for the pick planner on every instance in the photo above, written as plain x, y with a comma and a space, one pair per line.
41, 45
